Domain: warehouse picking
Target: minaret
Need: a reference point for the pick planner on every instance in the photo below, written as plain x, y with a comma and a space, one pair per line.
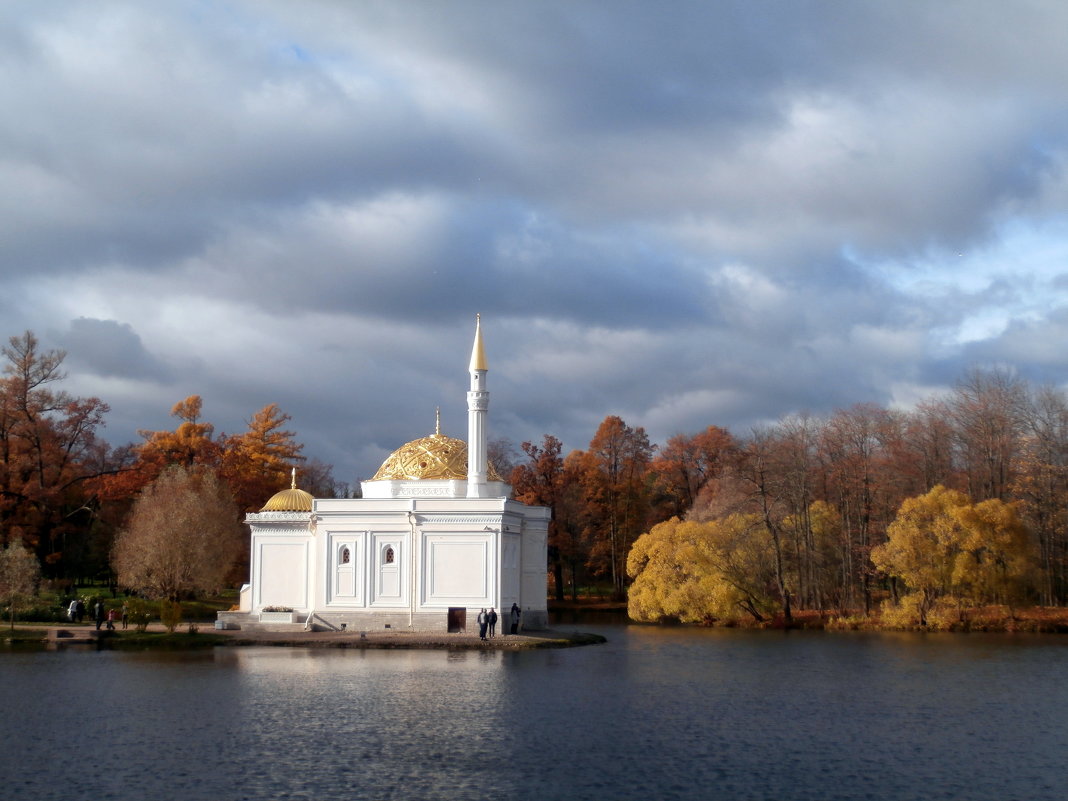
477, 409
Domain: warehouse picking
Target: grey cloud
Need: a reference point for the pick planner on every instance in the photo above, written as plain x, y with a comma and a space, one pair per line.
110, 349
667, 212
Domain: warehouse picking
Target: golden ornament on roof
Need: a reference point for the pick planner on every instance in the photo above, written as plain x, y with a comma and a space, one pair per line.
436, 457
290, 500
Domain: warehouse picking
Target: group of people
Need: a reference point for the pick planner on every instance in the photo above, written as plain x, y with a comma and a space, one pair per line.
487, 622
102, 616
76, 611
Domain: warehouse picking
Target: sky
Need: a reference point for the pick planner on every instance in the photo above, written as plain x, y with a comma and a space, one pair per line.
682, 213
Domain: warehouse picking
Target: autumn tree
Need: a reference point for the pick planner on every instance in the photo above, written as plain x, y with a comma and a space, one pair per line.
761, 480
19, 574
921, 445
614, 479
945, 547
49, 450
996, 559
685, 465
257, 463
988, 413
1040, 483
190, 444
540, 482
820, 529
922, 544
701, 571
317, 478
855, 447
571, 518
501, 453
182, 535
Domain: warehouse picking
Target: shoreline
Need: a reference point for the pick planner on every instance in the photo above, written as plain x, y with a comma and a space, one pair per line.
66, 636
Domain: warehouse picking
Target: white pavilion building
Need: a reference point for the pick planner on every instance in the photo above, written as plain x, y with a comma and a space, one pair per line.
435, 538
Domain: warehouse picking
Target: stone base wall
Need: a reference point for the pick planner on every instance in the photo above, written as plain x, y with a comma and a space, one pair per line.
380, 621
436, 621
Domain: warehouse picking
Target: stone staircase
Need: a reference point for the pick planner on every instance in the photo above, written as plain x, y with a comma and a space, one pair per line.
248, 621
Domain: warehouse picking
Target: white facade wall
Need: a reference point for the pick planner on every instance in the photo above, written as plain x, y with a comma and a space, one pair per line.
404, 563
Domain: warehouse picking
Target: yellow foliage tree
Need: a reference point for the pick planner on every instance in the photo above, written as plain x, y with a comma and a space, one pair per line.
941, 545
998, 556
701, 571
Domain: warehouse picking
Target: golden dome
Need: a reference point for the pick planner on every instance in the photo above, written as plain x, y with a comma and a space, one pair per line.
290, 500
436, 457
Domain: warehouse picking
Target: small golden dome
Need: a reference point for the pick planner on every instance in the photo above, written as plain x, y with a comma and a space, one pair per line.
436, 457
290, 500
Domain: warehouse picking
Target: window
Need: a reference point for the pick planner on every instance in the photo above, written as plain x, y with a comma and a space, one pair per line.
345, 557
387, 557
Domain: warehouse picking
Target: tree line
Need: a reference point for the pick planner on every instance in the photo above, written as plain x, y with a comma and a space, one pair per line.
812, 512
68, 496
805, 513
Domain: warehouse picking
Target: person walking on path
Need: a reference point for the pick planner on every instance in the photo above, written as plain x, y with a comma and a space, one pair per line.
72, 610
125, 615
483, 621
112, 614
98, 614
515, 618
492, 622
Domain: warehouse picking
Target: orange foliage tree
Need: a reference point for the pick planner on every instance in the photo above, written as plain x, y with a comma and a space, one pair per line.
543, 481
685, 465
190, 444
256, 463
49, 452
613, 474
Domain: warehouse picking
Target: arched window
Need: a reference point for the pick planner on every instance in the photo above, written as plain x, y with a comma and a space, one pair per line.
387, 557
345, 557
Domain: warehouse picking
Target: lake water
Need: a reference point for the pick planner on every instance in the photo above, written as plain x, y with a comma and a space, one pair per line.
657, 713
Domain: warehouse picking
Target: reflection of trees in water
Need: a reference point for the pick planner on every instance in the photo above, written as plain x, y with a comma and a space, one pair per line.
605, 617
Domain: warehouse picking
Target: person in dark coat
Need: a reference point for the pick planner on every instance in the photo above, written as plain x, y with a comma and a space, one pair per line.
483, 621
492, 622
98, 612
515, 618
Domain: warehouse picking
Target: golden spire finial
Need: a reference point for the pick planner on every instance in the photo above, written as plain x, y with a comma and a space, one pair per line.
437, 421
478, 354
293, 483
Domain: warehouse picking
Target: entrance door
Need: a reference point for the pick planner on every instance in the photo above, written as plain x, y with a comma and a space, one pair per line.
457, 619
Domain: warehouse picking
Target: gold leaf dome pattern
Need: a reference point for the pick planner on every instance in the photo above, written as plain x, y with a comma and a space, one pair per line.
436, 457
